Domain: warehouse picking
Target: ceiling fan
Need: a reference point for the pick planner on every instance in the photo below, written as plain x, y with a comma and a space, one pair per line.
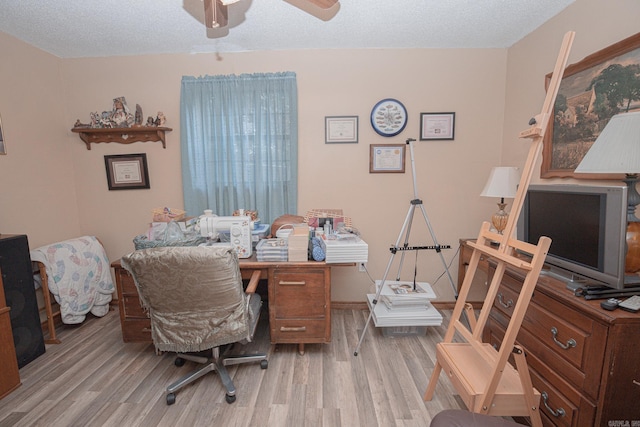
216, 16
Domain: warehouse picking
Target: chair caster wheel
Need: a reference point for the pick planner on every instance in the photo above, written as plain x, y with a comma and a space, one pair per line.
230, 399
171, 398
179, 361
264, 364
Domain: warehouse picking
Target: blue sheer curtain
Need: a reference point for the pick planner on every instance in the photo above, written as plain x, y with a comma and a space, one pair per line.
239, 144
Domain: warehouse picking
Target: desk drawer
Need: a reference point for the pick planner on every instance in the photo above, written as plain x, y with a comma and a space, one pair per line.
299, 331
299, 294
126, 282
132, 308
136, 330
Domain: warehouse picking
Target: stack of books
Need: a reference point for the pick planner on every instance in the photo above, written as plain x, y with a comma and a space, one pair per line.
404, 304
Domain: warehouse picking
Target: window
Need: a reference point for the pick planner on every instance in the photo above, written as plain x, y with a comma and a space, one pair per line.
239, 144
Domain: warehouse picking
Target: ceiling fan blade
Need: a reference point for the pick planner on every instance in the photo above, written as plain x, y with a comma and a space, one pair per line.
215, 14
323, 4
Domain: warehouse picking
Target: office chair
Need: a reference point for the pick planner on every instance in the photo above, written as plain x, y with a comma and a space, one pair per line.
196, 304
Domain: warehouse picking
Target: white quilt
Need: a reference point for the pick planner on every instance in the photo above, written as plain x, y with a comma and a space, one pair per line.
79, 277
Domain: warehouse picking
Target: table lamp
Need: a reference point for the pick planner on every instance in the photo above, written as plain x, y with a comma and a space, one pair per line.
617, 150
503, 183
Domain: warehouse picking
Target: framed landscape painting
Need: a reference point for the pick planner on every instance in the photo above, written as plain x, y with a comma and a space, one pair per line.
593, 90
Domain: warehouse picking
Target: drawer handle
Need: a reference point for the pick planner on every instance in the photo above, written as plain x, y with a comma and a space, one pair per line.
293, 328
559, 413
568, 345
502, 303
300, 283
146, 329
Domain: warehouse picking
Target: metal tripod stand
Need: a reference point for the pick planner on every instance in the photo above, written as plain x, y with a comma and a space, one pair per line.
405, 232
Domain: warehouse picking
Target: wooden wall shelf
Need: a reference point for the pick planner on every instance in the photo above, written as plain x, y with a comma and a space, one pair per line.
122, 135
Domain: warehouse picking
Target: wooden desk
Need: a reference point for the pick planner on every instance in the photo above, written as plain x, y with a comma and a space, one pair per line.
299, 301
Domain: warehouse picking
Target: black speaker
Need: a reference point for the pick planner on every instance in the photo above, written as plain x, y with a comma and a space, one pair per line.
20, 293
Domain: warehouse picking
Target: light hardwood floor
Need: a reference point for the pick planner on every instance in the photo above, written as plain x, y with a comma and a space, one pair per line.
95, 379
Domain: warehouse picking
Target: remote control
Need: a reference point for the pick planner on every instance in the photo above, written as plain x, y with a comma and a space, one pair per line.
631, 304
610, 304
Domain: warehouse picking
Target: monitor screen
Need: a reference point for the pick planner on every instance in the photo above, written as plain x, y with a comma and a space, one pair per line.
574, 222
587, 227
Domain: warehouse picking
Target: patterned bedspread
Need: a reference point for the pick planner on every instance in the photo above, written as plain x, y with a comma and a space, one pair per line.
79, 277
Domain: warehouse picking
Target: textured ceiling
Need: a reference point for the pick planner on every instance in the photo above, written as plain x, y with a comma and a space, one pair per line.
94, 28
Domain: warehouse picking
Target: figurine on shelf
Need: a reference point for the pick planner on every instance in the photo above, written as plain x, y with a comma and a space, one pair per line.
95, 120
160, 119
105, 120
79, 124
121, 116
138, 116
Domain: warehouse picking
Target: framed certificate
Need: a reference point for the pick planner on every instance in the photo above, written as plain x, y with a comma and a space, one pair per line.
437, 126
341, 129
127, 171
386, 158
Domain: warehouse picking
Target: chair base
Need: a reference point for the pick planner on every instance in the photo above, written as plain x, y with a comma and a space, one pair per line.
214, 363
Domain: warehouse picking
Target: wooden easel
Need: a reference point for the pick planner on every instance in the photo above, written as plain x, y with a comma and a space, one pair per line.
481, 374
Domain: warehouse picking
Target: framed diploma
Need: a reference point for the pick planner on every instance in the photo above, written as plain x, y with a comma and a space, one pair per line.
343, 129
437, 126
127, 171
386, 158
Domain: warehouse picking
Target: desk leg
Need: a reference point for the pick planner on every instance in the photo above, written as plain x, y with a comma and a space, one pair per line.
301, 349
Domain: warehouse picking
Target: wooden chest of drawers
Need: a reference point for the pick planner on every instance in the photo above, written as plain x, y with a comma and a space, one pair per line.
583, 359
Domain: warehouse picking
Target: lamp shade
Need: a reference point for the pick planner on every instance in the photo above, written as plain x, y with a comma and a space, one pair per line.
503, 182
617, 148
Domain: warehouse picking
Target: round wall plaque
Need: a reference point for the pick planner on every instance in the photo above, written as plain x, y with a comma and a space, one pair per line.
389, 117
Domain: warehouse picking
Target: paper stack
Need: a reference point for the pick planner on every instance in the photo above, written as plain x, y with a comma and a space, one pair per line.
348, 248
298, 242
402, 305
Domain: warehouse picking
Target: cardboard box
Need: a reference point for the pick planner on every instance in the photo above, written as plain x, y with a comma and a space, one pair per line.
298, 255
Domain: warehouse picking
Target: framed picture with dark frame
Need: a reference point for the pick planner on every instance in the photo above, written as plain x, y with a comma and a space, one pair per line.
591, 92
3, 148
387, 158
127, 171
437, 126
341, 129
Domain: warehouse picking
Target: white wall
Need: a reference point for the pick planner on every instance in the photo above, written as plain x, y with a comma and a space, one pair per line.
38, 183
